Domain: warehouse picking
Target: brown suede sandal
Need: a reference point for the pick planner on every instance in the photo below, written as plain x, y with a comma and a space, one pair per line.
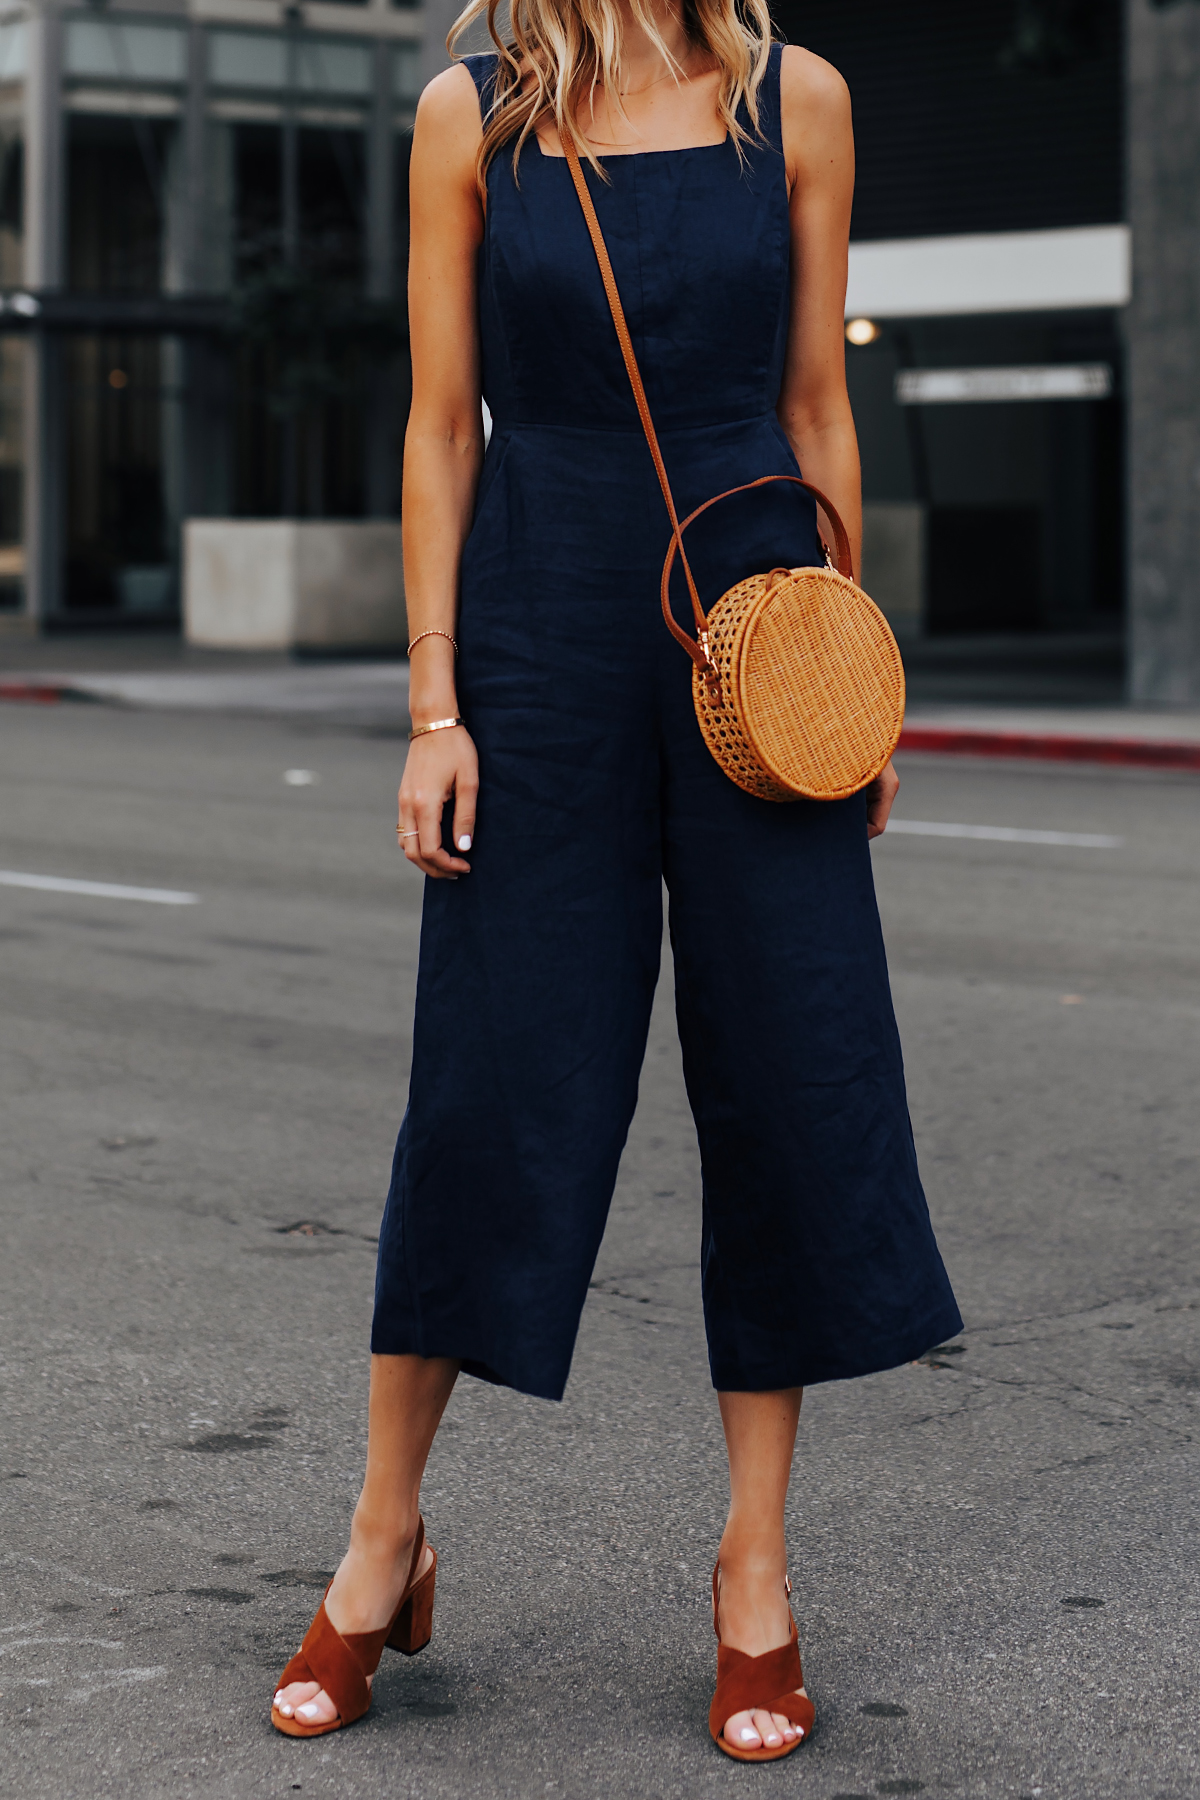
341, 1665
767, 1683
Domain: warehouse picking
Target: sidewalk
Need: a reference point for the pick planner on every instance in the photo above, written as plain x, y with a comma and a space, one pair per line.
375, 694
353, 693
1126, 735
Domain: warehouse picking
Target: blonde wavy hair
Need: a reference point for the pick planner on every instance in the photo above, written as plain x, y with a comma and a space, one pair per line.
557, 52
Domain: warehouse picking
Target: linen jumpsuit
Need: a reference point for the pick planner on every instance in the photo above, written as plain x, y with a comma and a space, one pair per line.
537, 970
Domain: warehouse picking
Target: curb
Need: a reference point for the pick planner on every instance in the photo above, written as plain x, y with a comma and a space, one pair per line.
37, 693
948, 740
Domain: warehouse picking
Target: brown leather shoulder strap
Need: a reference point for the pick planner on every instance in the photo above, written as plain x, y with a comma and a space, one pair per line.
697, 651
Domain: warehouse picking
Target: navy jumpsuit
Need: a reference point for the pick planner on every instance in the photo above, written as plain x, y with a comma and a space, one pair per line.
538, 969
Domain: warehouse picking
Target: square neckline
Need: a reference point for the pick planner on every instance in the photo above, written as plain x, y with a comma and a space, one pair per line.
633, 155
474, 59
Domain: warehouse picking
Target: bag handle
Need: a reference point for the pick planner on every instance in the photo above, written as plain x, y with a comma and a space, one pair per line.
845, 561
696, 648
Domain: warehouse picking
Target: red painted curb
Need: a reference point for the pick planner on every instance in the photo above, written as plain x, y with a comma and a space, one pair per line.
1044, 747
41, 693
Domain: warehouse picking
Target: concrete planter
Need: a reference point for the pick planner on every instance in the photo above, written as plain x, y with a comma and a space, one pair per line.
293, 584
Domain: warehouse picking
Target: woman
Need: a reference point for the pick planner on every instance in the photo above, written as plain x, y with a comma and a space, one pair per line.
721, 167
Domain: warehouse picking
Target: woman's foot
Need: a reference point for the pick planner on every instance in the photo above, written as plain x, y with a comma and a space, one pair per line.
363, 1596
754, 1616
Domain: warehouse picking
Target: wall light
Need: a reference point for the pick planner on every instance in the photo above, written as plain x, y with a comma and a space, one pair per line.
861, 331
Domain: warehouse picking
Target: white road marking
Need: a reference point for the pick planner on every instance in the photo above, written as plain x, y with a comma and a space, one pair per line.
1005, 834
33, 1643
49, 1568
99, 890
103, 1679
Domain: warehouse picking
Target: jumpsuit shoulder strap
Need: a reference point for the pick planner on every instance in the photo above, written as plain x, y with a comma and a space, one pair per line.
770, 115
483, 68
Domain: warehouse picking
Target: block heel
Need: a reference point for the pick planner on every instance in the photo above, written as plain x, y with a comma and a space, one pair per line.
414, 1622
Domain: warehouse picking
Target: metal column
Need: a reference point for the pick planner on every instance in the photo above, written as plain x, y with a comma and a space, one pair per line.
1163, 329
382, 421
45, 267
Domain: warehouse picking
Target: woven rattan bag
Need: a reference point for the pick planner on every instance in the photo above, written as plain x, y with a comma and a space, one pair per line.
798, 682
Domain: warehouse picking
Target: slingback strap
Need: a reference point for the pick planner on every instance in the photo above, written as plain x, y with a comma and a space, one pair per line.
696, 648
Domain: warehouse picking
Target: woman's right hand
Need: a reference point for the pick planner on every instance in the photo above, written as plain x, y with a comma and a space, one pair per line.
441, 765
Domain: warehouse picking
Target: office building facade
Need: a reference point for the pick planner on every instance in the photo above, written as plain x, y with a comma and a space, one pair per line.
202, 242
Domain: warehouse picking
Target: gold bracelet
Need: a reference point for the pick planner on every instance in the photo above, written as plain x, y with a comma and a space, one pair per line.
437, 725
433, 632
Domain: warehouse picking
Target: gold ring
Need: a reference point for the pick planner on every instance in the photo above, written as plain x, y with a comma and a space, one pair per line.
404, 834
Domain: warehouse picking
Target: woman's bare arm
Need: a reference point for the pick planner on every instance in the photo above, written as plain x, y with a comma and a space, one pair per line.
814, 407
443, 452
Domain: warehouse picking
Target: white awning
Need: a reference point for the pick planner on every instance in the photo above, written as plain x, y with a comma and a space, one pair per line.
994, 272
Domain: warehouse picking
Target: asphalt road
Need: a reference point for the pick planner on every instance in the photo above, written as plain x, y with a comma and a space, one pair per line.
993, 1551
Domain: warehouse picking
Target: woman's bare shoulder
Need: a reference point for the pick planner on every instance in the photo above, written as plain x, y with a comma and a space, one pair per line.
810, 87
814, 108
448, 111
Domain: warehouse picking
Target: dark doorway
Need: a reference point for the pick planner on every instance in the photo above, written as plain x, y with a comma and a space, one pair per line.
119, 411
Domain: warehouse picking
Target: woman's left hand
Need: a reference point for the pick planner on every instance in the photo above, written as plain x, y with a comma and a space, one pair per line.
880, 796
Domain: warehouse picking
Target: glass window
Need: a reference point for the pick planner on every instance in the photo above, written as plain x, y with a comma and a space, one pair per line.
333, 206
258, 59
114, 197
301, 375
12, 205
12, 50
406, 71
327, 67
119, 52
247, 59
258, 198
330, 203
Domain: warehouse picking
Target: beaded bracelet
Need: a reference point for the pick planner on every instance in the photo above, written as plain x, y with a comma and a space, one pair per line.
433, 632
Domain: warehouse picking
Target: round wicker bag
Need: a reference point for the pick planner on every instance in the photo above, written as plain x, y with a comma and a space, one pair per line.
815, 681
798, 682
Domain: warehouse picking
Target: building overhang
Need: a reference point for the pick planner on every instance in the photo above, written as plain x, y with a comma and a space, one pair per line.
128, 315
991, 272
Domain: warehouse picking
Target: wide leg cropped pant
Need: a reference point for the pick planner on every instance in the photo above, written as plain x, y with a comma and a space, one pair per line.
534, 991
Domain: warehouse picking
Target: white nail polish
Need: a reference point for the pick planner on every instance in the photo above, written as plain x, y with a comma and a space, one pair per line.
464, 842
308, 1711
747, 1734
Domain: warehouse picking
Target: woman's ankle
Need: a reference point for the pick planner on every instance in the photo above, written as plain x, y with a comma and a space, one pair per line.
382, 1537
748, 1552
